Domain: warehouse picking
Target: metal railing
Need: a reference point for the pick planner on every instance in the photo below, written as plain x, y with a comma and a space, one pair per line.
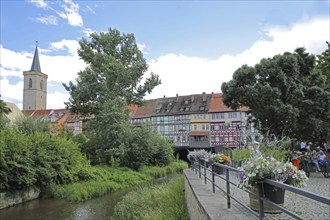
202, 169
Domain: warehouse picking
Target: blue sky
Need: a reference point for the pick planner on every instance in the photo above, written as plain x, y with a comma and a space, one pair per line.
194, 46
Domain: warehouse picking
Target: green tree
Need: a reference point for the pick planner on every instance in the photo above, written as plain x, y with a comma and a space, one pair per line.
323, 65
28, 125
3, 107
115, 68
3, 110
284, 94
112, 130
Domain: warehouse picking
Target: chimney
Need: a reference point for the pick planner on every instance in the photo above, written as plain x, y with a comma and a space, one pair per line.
212, 95
177, 97
192, 98
164, 97
204, 97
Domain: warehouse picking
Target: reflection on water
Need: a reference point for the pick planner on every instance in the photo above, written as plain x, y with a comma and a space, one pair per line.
98, 208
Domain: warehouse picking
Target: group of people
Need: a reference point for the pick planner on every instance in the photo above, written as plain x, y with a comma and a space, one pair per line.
312, 154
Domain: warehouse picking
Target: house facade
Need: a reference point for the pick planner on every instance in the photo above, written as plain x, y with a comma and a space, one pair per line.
197, 121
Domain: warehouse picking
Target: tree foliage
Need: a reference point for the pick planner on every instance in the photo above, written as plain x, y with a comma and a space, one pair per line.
146, 147
38, 159
3, 107
3, 110
111, 128
285, 94
115, 68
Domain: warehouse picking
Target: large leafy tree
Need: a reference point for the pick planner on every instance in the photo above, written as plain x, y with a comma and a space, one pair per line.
112, 80
285, 94
115, 68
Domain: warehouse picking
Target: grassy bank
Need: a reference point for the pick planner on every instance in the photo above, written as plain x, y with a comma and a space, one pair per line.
110, 179
155, 202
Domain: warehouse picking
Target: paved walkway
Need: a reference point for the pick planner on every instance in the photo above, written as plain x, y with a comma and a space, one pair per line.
305, 207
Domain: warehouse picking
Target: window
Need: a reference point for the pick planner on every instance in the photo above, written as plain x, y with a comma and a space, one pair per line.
203, 127
195, 127
199, 116
30, 83
232, 115
41, 84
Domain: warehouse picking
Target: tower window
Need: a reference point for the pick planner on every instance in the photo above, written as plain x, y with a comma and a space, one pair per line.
30, 83
41, 84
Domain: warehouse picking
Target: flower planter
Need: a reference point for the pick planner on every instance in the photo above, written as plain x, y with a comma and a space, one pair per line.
273, 193
218, 170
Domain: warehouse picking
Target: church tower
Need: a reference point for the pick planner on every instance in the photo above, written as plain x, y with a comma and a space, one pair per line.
35, 86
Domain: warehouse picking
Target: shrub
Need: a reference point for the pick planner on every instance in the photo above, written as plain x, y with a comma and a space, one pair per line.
146, 147
16, 164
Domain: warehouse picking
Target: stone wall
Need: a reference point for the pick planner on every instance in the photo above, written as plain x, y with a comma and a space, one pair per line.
195, 208
8, 199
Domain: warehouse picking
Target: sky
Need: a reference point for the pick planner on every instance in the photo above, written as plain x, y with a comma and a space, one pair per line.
194, 46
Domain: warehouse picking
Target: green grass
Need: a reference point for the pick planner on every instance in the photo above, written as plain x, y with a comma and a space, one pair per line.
165, 201
109, 179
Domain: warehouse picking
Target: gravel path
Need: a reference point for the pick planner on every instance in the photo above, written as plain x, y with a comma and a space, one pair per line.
305, 207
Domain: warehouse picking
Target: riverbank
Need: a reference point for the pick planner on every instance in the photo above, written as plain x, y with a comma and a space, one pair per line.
110, 179
155, 201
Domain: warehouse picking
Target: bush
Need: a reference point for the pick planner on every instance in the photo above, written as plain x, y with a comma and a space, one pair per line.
146, 147
16, 164
39, 159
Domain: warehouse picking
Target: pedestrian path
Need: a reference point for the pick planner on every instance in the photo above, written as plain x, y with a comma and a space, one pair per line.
305, 207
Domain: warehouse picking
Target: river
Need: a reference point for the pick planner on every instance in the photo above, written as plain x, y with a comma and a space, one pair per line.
98, 208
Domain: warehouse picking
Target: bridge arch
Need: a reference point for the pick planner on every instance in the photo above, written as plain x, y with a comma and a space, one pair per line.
181, 154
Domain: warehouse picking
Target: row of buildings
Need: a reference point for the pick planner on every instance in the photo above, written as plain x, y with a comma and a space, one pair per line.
196, 121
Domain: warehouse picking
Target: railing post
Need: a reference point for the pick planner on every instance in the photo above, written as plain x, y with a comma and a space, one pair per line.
205, 172
199, 169
261, 202
213, 179
228, 187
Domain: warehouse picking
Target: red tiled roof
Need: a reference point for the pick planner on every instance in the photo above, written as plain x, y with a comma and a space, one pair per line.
145, 110
217, 105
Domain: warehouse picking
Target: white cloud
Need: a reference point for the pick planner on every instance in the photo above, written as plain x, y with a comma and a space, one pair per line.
142, 48
11, 93
88, 31
71, 13
70, 45
188, 75
56, 100
38, 3
179, 73
47, 20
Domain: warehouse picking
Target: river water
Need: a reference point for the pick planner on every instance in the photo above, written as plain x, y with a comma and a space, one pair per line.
53, 209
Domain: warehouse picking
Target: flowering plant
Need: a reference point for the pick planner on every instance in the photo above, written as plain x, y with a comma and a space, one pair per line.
219, 158
195, 155
258, 168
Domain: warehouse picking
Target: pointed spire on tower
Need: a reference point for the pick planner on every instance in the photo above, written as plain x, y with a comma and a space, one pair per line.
36, 64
